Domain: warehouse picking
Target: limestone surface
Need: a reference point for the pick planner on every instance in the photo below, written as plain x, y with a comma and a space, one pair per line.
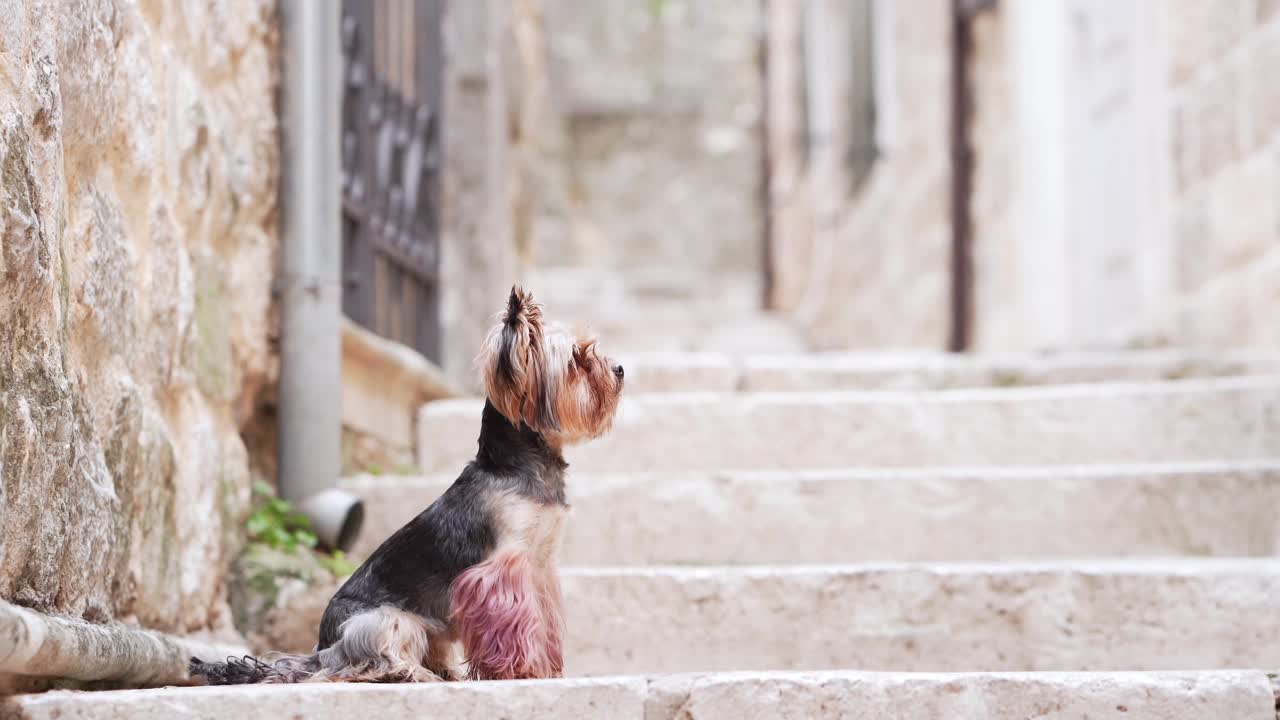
1036, 616
1240, 695
138, 173
1183, 421
929, 514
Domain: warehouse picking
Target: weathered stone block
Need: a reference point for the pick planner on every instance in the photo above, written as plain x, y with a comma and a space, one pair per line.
475, 228
1238, 695
935, 515
1266, 9
137, 200
1203, 31
1192, 241
962, 697
937, 371
1244, 214
1121, 615
605, 699
661, 106
1215, 107
1106, 423
1263, 97
1184, 147
1237, 309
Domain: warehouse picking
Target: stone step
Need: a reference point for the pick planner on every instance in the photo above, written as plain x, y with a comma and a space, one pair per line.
1231, 695
1182, 421
1062, 616
721, 372
848, 516
1108, 615
667, 309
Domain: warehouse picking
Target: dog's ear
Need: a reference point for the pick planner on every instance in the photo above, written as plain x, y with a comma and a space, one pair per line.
513, 365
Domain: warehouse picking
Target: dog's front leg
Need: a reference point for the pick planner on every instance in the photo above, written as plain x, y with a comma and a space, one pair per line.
508, 619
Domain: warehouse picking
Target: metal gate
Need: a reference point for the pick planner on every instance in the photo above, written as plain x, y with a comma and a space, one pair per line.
390, 169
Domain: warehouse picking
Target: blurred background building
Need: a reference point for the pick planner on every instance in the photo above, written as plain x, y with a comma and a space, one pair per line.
746, 176
915, 173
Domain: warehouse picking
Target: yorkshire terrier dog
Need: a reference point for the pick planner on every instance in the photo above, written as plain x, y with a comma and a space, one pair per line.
479, 565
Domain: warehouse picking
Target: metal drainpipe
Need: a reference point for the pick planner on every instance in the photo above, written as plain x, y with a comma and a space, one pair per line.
310, 406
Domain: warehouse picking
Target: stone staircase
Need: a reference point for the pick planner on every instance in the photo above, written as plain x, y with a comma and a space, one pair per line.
877, 536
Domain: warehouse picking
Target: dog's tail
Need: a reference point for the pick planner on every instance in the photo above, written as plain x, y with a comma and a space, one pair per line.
249, 670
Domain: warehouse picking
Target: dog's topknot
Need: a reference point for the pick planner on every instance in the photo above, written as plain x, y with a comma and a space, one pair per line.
516, 304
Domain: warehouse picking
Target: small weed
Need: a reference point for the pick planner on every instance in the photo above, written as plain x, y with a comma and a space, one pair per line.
337, 564
374, 470
1007, 378
276, 524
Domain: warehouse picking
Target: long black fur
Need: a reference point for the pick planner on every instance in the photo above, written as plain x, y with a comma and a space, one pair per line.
235, 671
413, 569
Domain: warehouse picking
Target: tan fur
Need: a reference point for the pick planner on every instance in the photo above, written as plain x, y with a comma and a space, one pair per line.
383, 645
546, 377
531, 527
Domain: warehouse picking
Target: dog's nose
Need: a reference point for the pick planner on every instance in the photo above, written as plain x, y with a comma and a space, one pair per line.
618, 371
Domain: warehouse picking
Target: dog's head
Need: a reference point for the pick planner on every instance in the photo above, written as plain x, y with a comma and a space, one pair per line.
549, 379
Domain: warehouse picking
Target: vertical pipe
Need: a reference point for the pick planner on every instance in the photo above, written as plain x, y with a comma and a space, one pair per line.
961, 181
310, 414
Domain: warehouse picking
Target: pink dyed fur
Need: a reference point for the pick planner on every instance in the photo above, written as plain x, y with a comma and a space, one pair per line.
508, 615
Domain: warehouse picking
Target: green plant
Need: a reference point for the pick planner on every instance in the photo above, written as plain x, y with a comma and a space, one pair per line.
337, 563
276, 525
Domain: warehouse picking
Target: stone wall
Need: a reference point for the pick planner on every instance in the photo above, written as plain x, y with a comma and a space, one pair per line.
1126, 175
645, 155
997, 278
1125, 167
138, 173
1127, 179
478, 260
1224, 111
861, 264
1066, 205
